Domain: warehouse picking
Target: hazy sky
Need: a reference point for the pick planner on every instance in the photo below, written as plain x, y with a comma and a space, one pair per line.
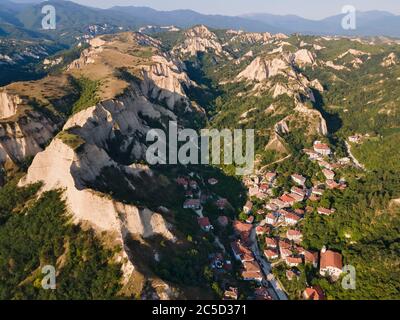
313, 9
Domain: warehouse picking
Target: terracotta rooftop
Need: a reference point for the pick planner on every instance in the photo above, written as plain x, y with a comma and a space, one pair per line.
331, 259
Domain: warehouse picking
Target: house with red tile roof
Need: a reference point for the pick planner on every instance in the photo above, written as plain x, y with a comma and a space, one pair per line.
285, 252
193, 204
252, 276
262, 230
242, 229
298, 191
260, 212
271, 206
291, 219
325, 212
310, 258
326, 165
252, 271
248, 207
332, 184
330, 264
293, 261
312, 155
322, 148
264, 188
297, 198
314, 198
299, 212
241, 252
270, 176
317, 191
294, 235
271, 219
250, 220
284, 244
279, 203
271, 254
288, 200
231, 294
299, 179
205, 224
329, 174
271, 243
313, 293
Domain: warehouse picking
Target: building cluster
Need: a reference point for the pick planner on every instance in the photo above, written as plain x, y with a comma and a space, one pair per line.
280, 230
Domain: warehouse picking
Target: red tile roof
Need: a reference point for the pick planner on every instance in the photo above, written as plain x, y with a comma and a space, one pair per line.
314, 293
271, 253
325, 211
331, 259
294, 233
204, 222
241, 227
271, 242
284, 244
288, 199
293, 260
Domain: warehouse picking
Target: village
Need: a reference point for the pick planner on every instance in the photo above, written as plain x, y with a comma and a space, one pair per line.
267, 236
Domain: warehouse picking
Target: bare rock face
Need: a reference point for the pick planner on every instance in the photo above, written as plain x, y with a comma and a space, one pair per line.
252, 37
353, 52
390, 60
60, 167
166, 79
303, 57
317, 85
200, 39
23, 133
317, 123
277, 144
8, 105
262, 69
88, 56
332, 65
73, 170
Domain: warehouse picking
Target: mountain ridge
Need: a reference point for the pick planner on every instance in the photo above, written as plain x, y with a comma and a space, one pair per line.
370, 23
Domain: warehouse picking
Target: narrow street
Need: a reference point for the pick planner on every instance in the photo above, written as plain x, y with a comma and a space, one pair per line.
277, 291
352, 157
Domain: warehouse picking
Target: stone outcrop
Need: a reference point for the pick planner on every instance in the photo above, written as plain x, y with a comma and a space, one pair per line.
317, 123
60, 166
303, 57
8, 105
252, 38
166, 79
23, 132
200, 39
390, 60
262, 69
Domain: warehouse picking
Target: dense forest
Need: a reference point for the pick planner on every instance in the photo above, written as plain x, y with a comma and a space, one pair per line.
38, 232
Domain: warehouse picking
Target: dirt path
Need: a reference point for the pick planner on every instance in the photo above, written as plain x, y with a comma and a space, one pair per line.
352, 157
278, 161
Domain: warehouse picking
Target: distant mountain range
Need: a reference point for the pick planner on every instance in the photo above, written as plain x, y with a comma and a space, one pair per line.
23, 18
